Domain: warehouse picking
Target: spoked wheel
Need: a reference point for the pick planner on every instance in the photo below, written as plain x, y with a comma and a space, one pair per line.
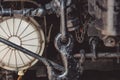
25, 32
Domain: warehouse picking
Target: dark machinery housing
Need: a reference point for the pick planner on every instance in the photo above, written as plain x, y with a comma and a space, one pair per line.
56, 38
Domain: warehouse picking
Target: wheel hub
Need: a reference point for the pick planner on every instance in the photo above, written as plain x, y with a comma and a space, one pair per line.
15, 40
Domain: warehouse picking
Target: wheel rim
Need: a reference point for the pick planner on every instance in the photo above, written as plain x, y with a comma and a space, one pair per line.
24, 33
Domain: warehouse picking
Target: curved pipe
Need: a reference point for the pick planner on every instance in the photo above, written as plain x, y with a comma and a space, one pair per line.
65, 62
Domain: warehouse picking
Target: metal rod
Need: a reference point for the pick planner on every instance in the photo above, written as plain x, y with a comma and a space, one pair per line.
63, 28
49, 64
99, 55
25, 12
28, 52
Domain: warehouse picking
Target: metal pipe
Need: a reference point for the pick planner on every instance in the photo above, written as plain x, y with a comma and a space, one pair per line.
63, 28
25, 12
99, 55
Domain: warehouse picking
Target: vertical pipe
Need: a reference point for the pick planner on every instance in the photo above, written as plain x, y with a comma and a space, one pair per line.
63, 25
110, 18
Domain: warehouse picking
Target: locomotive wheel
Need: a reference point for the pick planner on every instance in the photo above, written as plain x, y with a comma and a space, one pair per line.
25, 32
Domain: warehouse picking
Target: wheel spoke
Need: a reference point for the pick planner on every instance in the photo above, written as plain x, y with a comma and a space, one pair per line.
10, 56
3, 36
8, 28
13, 26
4, 55
25, 29
19, 25
3, 49
15, 57
31, 45
28, 57
28, 34
21, 57
4, 31
29, 39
